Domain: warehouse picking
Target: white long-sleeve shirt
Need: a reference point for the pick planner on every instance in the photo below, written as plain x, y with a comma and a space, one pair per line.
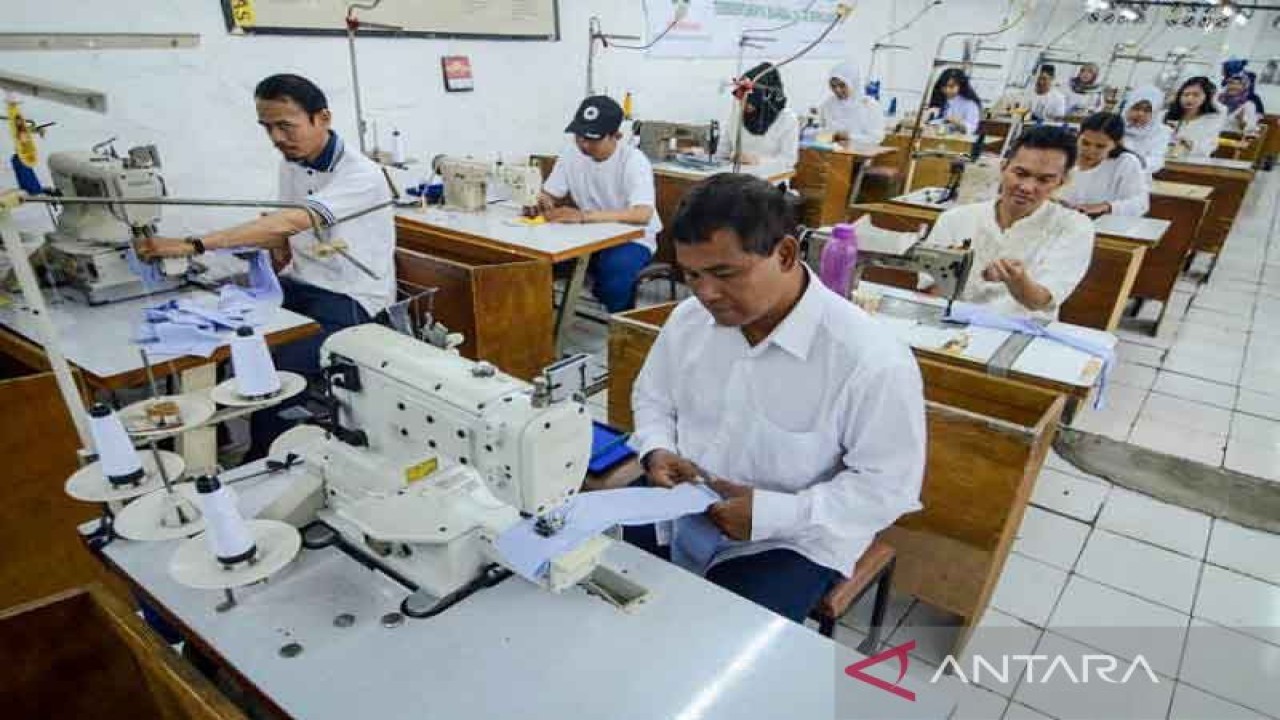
824, 418
1121, 181
1050, 106
1054, 243
1201, 133
861, 118
1151, 142
779, 145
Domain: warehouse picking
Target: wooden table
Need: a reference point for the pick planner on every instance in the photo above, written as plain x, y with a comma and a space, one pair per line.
1185, 207
97, 341
497, 228
672, 180
1098, 301
1230, 181
830, 179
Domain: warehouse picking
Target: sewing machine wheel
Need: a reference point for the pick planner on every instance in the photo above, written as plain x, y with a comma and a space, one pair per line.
89, 485
291, 384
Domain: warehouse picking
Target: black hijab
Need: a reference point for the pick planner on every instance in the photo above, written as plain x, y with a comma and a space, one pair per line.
768, 98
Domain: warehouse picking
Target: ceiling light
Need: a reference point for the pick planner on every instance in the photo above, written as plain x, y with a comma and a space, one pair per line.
1228, 10
1242, 19
1129, 14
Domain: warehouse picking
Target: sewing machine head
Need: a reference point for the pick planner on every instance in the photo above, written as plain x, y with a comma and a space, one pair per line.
430, 456
90, 242
525, 182
465, 183
662, 141
949, 266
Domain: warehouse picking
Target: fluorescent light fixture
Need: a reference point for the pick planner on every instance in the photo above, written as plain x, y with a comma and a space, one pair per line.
1228, 10
1242, 19
1129, 14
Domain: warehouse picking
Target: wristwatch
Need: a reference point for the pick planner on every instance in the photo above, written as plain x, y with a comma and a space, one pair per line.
197, 244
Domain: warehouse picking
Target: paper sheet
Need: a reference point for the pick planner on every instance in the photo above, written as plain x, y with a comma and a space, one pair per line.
529, 554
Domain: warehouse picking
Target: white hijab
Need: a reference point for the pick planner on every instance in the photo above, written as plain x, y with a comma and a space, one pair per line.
1150, 94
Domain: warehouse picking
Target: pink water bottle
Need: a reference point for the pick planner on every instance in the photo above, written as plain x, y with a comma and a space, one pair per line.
838, 260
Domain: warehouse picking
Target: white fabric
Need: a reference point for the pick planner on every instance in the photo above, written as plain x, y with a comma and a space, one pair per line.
623, 181
779, 145
859, 117
967, 110
1150, 141
352, 183
1201, 133
1055, 244
1050, 106
1121, 181
824, 418
1244, 120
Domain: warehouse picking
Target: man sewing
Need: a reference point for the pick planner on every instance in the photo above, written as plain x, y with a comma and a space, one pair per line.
1029, 252
334, 182
603, 180
787, 400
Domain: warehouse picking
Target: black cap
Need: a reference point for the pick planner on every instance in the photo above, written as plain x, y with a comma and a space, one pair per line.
597, 116
206, 484
244, 331
99, 410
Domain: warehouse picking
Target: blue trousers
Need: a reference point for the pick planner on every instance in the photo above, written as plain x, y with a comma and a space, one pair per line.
781, 580
333, 312
614, 272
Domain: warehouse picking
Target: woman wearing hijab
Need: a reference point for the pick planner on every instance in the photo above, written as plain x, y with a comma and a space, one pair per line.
1084, 92
1108, 178
770, 132
1238, 105
849, 114
1195, 119
1144, 135
954, 103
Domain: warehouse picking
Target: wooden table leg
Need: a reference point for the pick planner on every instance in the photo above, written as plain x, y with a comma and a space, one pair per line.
199, 448
859, 176
1131, 274
569, 305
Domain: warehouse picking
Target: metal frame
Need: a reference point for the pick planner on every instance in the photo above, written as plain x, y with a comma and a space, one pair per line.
232, 27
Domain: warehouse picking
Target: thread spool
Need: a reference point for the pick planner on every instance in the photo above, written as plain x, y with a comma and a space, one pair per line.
256, 377
226, 532
120, 462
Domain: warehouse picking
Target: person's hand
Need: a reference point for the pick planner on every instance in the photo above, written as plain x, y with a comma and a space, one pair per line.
1007, 271
748, 158
732, 514
840, 137
156, 248
567, 215
667, 469
545, 203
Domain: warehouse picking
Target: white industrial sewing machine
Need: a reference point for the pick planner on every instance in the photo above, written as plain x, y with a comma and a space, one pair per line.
466, 182
949, 266
430, 456
662, 141
90, 245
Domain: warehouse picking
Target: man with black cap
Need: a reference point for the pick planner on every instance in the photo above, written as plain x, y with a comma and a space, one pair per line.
604, 180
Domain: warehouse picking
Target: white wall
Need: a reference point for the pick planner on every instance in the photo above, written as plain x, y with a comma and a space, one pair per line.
196, 105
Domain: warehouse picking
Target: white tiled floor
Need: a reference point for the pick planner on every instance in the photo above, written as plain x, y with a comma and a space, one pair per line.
1145, 570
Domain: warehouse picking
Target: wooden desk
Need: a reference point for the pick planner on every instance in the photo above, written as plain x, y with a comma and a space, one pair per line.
495, 228
97, 341
1098, 301
1271, 140
830, 178
672, 181
987, 440
1235, 146
1185, 207
1230, 181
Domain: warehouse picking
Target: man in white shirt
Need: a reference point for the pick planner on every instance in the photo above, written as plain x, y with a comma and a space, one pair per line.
1047, 102
1029, 252
604, 180
334, 182
795, 406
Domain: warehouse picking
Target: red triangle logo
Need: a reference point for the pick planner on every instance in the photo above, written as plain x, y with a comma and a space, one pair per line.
855, 670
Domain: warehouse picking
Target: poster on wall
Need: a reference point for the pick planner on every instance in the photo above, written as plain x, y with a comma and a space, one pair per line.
457, 73
713, 28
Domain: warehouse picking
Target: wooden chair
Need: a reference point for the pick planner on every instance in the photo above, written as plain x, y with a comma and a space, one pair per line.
875, 567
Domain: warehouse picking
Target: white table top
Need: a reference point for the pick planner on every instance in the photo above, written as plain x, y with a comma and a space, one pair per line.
1135, 229
1042, 358
692, 650
1213, 162
99, 339
773, 172
554, 241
